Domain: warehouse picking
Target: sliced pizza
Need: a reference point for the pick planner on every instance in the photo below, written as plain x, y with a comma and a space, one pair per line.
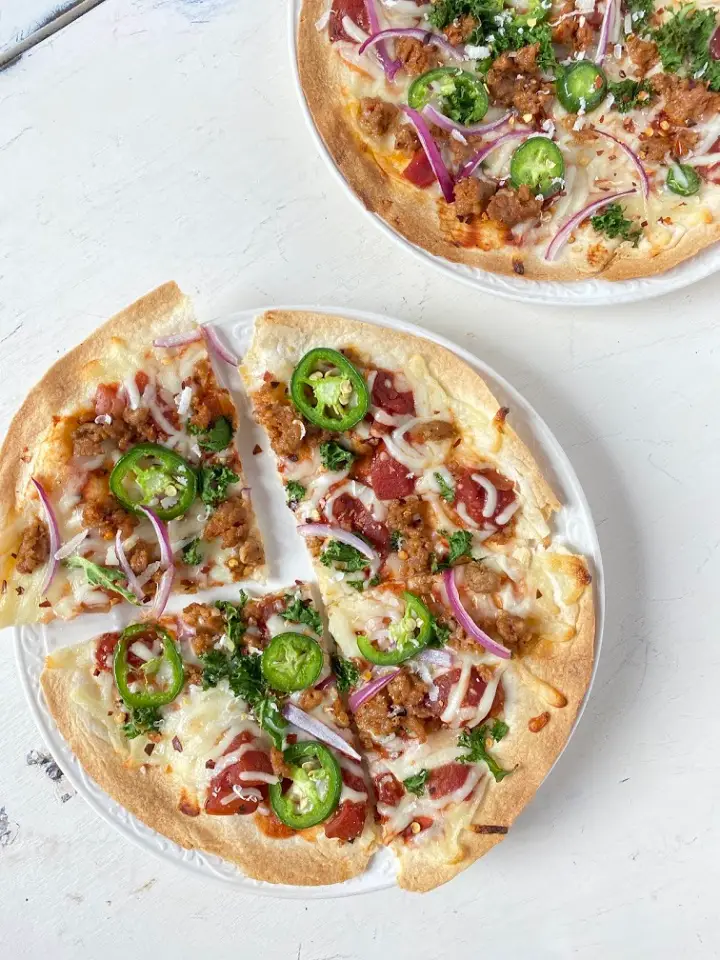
462, 622
543, 139
221, 728
120, 476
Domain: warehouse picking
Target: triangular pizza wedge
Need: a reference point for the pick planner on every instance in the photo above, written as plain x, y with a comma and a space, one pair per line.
221, 727
119, 476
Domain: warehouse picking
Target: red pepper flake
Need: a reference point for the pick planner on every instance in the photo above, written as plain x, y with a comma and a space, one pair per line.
210, 765
518, 267
177, 745
19, 591
149, 747
4, 587
45, 603
257, 449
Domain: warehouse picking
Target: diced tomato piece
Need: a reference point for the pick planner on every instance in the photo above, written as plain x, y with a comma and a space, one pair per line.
475, 690
473, 495
386, 395
356, 10
423, 822
222, 799
418, 171
353, 515
389, 479
107, 400
347, 822
446, 779
389, 789
105, 649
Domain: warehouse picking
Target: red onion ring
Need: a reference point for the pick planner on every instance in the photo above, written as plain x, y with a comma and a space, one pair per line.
634, 159
216, 344
433, 154
126, 568
54, 536
389, 65
424, 36
326, 683
178, 339
714, 46
433, 115
162, 594
358, 698
560, 238
467, 622
319, 730
337, 533
474, 162
608, 22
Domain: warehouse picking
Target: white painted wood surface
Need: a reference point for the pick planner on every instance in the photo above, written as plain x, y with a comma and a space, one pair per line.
162, 140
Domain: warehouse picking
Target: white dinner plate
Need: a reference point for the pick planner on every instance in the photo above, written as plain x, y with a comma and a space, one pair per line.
583, 293
288, 561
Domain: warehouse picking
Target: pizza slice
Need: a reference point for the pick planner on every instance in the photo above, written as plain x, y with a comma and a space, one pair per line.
120, 476
396, 458
221, 728
458, 728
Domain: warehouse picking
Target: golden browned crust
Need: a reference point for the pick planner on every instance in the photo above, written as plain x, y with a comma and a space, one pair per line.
413, 213
153, 797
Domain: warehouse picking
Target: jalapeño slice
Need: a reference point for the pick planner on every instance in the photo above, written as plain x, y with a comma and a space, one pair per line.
328, 390
148, 475
315, 789
410, 635
539, 165
160, 679
683, 180
582, 87
292, 661
461, 96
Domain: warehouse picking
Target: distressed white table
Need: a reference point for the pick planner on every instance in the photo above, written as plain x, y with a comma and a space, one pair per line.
157, 140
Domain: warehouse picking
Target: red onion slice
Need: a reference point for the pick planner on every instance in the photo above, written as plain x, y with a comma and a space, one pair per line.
715, 44
337, 533
474, 162
438, 658
467, 622
216, 344
164, 589
358, 698
389, 65
424, 36
319, 730
433, 115
634, 159
560, 239
433, 154
327, 682
178, 339
54, 533
126, 568
608, 22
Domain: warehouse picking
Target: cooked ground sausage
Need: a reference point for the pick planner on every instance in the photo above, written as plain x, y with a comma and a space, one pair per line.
400, 708
461, 29
433, 431
406, 140
342, 718
674, 142
102, 512
88, 439
208, 624
34, 547
412, 518
280, 768
643, 53
472, 197
275, 412
209, 401
415, 56
685, 102
229, 523
309, 699
480, 579
377, 116
514, 81
139, 556
511, 206
573, 31
512, 629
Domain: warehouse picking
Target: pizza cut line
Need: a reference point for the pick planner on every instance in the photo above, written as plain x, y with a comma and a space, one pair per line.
414, 699
547, 139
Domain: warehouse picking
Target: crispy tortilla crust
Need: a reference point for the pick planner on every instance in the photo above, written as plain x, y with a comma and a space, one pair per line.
413, 212
29, 449
422, 867
568, 668
466, 389
153, 796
